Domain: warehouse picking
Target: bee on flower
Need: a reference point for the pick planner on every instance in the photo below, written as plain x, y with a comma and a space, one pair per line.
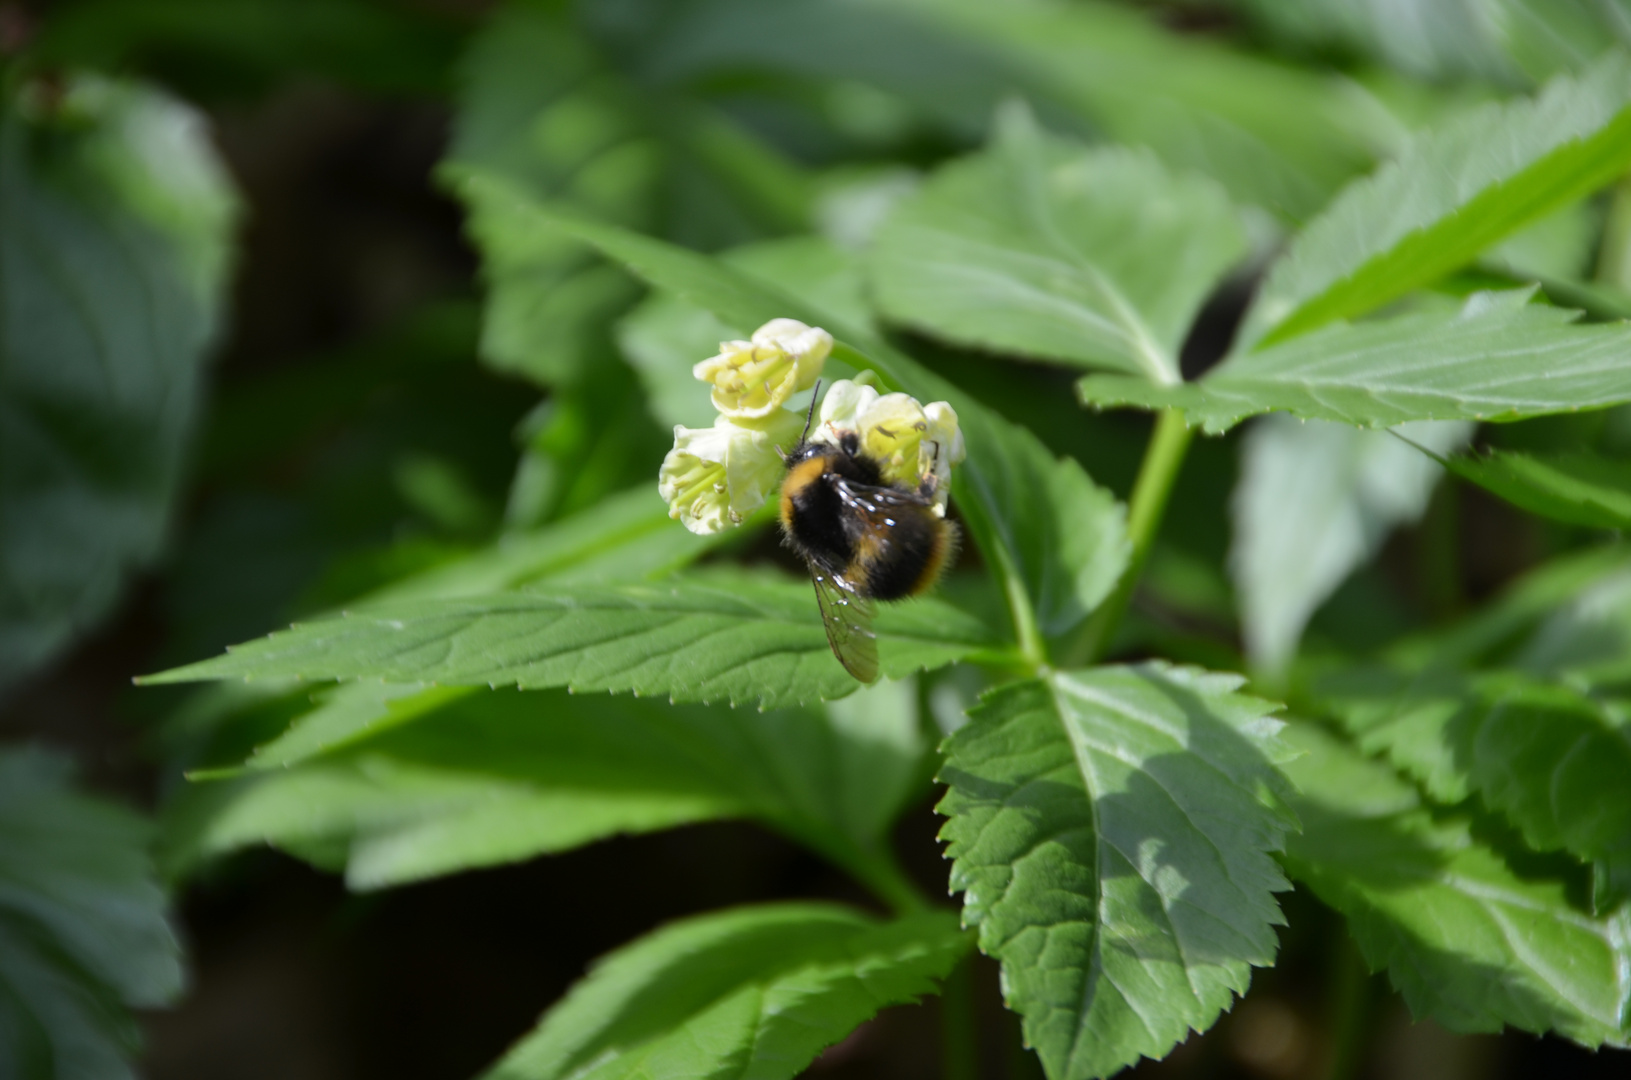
863, 492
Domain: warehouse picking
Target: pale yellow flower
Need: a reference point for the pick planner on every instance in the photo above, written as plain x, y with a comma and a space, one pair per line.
715, 477
753, 379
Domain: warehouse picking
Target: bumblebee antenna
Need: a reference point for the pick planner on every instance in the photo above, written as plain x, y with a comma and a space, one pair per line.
815, 396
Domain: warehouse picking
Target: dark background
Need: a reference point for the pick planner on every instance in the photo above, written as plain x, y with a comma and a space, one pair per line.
345, 240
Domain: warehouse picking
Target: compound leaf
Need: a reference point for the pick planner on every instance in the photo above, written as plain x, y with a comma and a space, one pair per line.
1112, 832
1466, 937
754, 993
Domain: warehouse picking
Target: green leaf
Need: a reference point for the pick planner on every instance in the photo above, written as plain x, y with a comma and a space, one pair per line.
399, 783
1025, 248
1580, 487
1452, 193
350, 712
746, 640
1551, 759
1068, 535
538, 106
1273, 135
1568, 593
83, 937
1061, 553
1111, 831
1497, 359
114, 221
1500, 41
1314, 502
1586, 639
624, 537
1557, 247
1468, 938
754, 993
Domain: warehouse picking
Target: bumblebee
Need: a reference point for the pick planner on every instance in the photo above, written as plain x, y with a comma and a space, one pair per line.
864, 540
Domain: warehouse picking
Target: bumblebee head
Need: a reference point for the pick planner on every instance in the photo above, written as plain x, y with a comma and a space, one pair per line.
804, 449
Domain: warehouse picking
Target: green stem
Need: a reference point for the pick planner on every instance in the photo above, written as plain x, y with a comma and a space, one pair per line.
1614, 257
882, 874
1162, 459
1027, 634
1350, 1009
959, 1044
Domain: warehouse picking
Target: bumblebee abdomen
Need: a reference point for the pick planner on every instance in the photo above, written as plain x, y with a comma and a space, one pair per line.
907, 558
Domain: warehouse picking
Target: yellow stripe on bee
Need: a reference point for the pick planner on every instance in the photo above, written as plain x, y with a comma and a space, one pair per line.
945, 548
868, 546
799, 477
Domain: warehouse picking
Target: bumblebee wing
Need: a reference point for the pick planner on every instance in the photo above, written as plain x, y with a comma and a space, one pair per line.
875, 504
847, 616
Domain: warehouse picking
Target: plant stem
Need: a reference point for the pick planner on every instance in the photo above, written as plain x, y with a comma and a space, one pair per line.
1350, 990
1026, 632
959, 1043
1614, 257
880, 872
1162, 459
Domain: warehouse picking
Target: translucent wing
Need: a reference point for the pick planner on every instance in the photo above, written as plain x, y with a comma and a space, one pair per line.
848, 618
876, 503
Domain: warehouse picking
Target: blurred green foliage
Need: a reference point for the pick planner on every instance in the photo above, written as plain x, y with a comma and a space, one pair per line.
1364, 216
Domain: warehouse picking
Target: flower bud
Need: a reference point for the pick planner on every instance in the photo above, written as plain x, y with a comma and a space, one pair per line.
753, 379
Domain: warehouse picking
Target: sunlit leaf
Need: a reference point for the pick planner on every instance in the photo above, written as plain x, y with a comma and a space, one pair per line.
1097, 258
1112, 832
1449, 195
539, 106
758, 641
1500, 358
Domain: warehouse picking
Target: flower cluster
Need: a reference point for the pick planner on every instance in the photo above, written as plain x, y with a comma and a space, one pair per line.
716, 476
912, 442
